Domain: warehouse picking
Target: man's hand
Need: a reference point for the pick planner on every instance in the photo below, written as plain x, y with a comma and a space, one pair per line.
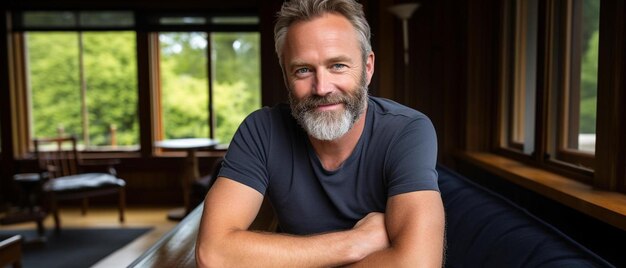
414, 223
372, 227
225, 241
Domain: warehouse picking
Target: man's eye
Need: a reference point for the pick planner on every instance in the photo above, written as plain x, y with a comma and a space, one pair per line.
302, 70
338, 66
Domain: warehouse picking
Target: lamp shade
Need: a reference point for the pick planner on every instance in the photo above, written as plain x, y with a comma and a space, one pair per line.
404, 11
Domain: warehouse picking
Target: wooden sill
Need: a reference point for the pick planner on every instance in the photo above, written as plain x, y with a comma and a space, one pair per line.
606, 206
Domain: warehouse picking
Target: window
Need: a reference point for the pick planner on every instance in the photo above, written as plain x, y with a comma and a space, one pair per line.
77, 73
519, 100
577, 111
82, 83
209, 81
550, 82
236, 83
184, 85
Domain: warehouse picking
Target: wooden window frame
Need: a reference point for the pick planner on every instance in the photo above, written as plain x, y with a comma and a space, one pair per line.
569, 90
148, 80
609, 162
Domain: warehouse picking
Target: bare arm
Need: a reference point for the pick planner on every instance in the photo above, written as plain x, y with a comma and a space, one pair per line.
224, 241
415, 223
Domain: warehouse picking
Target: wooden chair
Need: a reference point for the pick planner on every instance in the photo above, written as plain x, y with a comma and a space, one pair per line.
30, 207
66, 177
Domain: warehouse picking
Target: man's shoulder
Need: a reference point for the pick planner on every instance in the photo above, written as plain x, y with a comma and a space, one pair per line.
280, 110
389, 108
270, 119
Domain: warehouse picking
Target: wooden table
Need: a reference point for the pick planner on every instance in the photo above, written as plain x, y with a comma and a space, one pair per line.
177, 247
190, 170
11, 251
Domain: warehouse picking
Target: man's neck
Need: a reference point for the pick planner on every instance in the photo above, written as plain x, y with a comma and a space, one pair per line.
333, 153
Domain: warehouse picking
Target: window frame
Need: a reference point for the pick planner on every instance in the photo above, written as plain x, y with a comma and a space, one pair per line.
154, 51
147, 76
569, 89
548, 151
609, 171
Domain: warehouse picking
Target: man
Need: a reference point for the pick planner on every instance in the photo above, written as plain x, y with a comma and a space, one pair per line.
351, 178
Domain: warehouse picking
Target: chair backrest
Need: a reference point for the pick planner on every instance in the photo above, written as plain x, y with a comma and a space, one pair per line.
57, 156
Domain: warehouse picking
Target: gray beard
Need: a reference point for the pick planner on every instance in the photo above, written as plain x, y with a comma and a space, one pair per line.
329, 125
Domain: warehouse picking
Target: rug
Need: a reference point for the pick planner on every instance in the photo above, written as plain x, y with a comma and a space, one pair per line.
74, 247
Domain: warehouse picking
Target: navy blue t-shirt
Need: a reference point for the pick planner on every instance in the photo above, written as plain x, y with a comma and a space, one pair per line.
272, 154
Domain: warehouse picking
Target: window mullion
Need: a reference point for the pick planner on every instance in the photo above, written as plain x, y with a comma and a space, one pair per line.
210, 79
611, 124
545, 40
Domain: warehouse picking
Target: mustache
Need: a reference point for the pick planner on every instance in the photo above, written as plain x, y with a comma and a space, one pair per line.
314, 101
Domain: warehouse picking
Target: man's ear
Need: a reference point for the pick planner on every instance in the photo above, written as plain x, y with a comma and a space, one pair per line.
369, 67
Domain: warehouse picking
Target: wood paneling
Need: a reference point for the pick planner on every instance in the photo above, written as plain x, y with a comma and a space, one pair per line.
482, 74
273, 87
6, 120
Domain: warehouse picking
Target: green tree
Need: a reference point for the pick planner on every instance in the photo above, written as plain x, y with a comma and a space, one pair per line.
589, 85
237, 89
110, 78
236, 82
54, 83
111, 75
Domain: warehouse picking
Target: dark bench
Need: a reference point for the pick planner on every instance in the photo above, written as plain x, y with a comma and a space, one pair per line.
484, 229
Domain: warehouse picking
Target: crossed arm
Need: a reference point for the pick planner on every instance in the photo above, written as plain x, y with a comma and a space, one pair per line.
409, 234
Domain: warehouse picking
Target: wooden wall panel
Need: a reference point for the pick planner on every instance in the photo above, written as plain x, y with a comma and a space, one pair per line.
482, 74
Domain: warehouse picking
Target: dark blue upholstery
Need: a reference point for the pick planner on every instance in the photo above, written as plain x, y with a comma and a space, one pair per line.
484, 229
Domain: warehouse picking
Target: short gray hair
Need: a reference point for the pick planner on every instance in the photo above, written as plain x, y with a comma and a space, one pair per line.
303, 10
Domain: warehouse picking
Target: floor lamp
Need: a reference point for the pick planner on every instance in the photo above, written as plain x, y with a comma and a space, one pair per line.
404, 13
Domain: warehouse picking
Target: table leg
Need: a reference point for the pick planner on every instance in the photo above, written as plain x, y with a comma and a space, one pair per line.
189, 175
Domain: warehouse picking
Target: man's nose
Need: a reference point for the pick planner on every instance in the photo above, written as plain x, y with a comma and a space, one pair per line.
322, 86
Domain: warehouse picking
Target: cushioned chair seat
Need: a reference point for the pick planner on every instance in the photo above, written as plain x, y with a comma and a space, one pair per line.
82, 181
486, 230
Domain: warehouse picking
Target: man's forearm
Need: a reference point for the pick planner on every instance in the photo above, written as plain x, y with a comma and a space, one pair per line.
224, 240
244, 248
415, 222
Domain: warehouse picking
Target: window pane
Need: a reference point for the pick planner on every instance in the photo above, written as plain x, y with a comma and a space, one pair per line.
54, 83
106, 19
110, 64
182, 20
521, 93
184, 85
235, 59
106, 75
236, 20
77, 19
49, 19
583, 100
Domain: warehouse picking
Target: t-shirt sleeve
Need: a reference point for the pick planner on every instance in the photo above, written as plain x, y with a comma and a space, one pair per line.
412, 159
245, 160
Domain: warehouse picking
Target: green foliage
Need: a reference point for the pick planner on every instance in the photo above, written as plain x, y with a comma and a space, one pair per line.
589, 65
236, 82
111, 84
111, 74
54, 81
110, 78
237, 85
233, 102
589, 85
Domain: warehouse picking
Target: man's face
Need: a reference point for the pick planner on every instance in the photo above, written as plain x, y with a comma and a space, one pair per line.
326, 75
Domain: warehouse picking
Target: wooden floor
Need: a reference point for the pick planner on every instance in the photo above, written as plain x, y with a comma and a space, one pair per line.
155, 217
